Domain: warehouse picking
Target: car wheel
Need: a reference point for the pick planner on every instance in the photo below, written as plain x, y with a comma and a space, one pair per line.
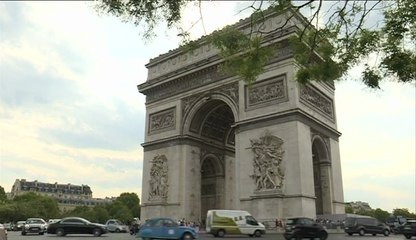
117, 230
350, 234
60, 232
361, 232
221, 233
257, 233
408, 236
96, 232
386, 232
374, 234
41, 233
323, 235
23, 233
187, 236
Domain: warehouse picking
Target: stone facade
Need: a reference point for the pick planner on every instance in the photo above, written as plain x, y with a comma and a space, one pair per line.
270, 148
68, 195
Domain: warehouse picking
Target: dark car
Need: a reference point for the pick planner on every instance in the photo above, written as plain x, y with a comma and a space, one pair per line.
409, 228
395, 222
165, 228
34, 225
76, 225
18, 226
304, 227
365, 225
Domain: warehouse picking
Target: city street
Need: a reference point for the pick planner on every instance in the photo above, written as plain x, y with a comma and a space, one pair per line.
126, 236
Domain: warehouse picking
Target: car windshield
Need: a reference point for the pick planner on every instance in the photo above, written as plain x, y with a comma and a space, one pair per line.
290, 222
349, 221
118, 222
34, 221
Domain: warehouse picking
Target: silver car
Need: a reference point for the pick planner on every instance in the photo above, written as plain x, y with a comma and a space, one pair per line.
114, 225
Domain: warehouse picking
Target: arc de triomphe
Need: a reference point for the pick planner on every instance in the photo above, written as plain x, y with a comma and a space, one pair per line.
214, 142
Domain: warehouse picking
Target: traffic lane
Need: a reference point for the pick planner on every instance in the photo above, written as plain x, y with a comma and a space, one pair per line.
202, 236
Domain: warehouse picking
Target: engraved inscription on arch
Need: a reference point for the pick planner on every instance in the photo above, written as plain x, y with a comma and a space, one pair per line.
266, 92
162, 121
317, 100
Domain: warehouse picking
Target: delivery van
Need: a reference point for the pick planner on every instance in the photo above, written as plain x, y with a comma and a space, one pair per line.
221, 222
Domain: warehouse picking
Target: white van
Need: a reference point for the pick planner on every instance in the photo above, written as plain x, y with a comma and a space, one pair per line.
221, 222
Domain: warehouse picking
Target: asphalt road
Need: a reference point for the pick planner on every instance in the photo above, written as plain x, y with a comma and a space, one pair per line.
203, 236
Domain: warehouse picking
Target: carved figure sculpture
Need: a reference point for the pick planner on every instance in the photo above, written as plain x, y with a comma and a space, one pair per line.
268, 156
158, 183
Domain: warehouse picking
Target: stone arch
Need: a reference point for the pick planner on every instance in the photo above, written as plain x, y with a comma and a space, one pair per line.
321, 175
197, 106
212, 184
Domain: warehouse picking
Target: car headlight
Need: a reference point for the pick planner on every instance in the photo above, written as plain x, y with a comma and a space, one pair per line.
26, 226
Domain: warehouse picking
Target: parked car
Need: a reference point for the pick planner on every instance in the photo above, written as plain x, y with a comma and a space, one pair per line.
395, 222
8, 226
114, 225
303, 227
364, 225
409, 228
76, 225
166, 228
18, 225
3, 232
34, 225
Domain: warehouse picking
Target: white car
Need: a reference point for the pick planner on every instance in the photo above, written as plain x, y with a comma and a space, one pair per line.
114, 225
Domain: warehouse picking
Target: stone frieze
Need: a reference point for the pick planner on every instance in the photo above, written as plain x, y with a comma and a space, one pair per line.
268, 156
317, 100
272, 90
158, 183
162, 121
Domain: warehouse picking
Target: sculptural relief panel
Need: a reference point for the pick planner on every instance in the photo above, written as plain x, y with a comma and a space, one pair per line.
266, 92
317, 100
158, 183
268, 173
162, 121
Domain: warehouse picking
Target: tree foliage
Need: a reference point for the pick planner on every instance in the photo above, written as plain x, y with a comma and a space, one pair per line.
124, 208
404, 212
3, 196
336, 31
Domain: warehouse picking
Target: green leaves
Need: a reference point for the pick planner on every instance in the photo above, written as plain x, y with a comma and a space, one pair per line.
244, 56
325, 52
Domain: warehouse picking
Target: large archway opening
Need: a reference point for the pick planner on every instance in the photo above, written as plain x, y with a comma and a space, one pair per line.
320, 176
212, 123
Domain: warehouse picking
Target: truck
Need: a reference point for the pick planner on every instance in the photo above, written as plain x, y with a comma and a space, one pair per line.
222, 222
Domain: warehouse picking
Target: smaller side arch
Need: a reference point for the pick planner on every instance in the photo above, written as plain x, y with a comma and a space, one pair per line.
320, 149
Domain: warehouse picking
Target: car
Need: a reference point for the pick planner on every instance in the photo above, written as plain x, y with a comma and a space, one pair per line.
3, 232
76, 225
114, 225
8, 226
304, 227
34, 225
365, 225
409, 228
395, 222
165, 228
18, 225
221, 222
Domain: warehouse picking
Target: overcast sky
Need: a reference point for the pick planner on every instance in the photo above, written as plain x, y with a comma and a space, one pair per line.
70, 111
